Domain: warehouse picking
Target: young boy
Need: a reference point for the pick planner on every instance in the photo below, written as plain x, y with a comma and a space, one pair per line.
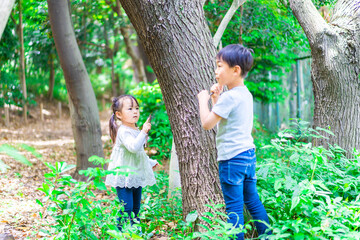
233, 110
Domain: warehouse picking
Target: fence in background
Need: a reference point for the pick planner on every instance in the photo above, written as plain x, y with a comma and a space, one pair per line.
298, 104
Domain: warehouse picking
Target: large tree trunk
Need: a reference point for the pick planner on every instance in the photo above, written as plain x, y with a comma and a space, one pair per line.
83, 107
335, 50
5, 10
180, 49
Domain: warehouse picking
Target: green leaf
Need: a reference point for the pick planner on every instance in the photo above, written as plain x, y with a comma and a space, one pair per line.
31, 149
294, 202
15, 154
40, 203
278, 184
100, 184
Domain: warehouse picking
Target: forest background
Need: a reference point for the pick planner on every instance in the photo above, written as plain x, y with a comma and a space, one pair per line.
302, 198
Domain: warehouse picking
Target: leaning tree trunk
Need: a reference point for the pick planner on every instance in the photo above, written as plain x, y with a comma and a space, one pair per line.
83, 107
5, 11
180, 49
335, 50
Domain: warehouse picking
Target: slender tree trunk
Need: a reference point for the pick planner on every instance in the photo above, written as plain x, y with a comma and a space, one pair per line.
138, 64
6, 7
51, 77
180, 48
83, 107
150, 76
241, 24
22, 63
335, 50
174, 174
84, 29
114, 80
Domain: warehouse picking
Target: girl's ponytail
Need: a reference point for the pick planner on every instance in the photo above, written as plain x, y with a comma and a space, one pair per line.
113, 127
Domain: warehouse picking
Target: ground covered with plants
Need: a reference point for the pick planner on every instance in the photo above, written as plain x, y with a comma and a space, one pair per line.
309, 192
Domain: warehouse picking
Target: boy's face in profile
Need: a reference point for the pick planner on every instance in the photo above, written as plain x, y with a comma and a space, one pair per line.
224, 73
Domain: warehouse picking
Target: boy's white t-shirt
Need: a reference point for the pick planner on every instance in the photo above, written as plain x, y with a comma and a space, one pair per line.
235, 107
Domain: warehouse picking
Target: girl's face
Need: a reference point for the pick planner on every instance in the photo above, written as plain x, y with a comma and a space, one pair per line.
129, 114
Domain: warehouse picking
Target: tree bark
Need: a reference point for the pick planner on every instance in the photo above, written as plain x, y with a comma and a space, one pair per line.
6, 7
180, 49
335, 50
22, 63
83, 107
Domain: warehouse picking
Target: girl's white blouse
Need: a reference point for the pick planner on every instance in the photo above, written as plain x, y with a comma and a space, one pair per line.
129, 154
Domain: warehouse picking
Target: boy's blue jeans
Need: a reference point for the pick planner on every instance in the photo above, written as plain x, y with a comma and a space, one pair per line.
238, 183
131, 197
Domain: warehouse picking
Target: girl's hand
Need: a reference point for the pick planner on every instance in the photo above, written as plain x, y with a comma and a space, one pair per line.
203, 96
216, 90
147, 126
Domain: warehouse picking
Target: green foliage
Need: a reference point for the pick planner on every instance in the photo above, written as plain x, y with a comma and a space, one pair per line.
151, 102
163, 214
11, 92
15, 154
310, 192
74, 211
73, 206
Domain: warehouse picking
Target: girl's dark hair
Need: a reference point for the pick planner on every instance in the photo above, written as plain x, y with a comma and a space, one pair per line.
117, 105
237, 54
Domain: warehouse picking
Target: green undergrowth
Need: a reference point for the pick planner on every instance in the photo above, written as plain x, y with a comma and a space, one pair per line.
309, 192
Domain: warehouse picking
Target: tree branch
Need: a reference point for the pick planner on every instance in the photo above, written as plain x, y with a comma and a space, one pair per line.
5, 11
309, 18
230, 13
203, 2
346, 14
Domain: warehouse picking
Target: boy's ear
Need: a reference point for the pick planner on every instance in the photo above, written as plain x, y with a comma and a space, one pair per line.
237, 69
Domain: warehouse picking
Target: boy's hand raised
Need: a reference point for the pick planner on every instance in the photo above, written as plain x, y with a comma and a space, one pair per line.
203, 95
216, 90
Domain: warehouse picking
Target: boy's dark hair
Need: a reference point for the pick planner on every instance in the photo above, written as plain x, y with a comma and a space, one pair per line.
237, 54
117, 106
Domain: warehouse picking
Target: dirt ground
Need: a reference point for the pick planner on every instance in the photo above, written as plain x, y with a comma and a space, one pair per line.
52, 138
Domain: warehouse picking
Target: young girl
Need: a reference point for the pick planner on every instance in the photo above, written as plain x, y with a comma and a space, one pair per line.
128, 152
